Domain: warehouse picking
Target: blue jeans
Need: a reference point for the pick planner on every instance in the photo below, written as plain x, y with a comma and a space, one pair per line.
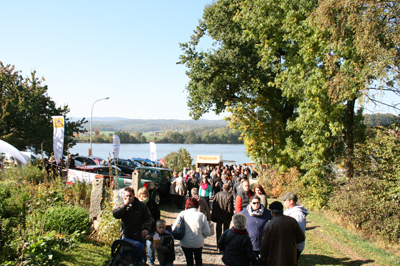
151, 252
166, 263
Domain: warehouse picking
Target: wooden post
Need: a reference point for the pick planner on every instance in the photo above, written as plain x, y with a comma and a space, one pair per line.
136, 181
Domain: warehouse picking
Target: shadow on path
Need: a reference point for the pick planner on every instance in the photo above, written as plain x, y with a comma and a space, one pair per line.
326, 260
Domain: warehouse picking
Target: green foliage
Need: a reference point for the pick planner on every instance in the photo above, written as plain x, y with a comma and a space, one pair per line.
66, 219
178, 160
371, 200
109, 226
26, 113
373, 120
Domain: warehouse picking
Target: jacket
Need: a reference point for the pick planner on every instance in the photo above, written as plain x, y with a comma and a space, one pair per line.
166, 249
180, 186
255, 225
242, 200
222, 207
134, 219
279, 242
196, 229
299, 213
154, 211
193, 182
203, 207
237, 248
205, 192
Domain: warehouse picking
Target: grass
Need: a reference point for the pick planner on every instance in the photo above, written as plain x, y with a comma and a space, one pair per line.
329, 244
88, 253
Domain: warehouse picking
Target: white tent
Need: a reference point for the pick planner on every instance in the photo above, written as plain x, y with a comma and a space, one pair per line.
11, 150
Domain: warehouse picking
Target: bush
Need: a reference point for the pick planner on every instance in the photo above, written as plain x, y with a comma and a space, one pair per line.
358, 203
109, 226
66, 219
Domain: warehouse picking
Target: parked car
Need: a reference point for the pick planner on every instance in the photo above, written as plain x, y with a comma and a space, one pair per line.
126, 165
156, 180
90, 160
103, 170
147, 162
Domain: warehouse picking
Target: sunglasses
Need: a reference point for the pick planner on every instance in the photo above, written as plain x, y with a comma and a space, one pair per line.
255, 203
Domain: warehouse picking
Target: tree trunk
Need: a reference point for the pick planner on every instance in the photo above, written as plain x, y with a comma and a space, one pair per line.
350, 137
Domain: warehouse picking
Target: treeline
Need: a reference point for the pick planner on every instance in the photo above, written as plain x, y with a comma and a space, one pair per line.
209, 136
149, 125
374, 120
204, 135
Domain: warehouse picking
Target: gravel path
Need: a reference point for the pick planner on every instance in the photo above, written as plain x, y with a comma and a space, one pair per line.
210, 254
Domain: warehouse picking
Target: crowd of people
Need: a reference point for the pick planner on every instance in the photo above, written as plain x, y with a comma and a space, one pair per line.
261, 234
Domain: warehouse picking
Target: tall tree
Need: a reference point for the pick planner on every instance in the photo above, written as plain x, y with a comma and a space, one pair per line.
26, 111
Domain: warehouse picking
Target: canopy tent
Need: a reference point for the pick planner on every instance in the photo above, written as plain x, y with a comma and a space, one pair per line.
11, 150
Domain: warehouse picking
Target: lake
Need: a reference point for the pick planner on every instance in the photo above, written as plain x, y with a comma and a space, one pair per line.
236, 152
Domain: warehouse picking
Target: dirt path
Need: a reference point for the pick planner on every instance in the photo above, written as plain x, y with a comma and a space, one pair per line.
210, 254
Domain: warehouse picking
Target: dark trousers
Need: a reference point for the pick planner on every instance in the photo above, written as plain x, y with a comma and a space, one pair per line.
219, 227
189, 252
298, 256
179, 201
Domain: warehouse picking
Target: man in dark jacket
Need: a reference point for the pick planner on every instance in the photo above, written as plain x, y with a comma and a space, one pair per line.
236, 244
192, 182
135, 216
222, 209
280, 238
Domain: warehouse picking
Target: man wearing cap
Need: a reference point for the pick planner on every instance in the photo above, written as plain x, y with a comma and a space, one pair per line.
298, 212
280, 238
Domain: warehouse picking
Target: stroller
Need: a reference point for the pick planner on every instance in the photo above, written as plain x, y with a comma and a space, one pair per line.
126, 252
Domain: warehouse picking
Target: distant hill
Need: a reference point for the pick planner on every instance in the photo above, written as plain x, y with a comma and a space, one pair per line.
373, 120
146, 125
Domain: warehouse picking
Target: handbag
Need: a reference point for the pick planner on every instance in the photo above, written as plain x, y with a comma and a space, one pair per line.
178, 229
211, 225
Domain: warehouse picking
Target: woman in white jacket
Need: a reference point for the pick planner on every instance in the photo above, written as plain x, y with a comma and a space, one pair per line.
196, 229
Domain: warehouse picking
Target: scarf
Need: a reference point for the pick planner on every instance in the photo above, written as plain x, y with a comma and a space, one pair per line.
237, 231
253, 213
204, 186
145, 201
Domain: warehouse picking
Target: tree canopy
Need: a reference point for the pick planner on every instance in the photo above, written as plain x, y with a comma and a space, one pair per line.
26, 113
290, 73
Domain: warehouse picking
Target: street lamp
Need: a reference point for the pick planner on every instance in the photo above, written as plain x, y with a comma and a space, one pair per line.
91, 118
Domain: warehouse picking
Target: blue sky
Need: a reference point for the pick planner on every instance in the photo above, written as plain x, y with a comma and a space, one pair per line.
88, 50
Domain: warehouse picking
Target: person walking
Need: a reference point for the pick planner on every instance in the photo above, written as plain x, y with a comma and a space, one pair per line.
145, 198
196, 230
257, 217
243, 196
222, 210
205, 190
280, 238
193, 182
236, 245
259, 191
180, 190
203, 204
298, 212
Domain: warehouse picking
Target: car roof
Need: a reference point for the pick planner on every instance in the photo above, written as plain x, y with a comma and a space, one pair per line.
96, 167
152, 168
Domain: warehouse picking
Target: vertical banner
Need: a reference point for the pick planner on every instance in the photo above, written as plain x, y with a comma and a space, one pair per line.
153, 152
116, 143
58, 137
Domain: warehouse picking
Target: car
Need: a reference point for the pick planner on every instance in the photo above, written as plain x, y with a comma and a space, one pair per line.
104, 171
156, 180
89, 160
126, 165
147, 162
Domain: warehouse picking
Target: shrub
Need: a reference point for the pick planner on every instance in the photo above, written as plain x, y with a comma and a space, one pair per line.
277, 184
109, 226
66, 219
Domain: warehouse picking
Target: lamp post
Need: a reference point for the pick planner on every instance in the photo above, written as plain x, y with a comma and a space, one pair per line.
91, 118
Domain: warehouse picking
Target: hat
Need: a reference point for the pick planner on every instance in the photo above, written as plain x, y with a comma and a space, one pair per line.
290, 196
276, 205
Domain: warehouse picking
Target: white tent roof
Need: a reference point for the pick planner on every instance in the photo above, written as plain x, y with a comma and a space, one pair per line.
10, 149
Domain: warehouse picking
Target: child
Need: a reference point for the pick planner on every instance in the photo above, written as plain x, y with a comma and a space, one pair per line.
165, 248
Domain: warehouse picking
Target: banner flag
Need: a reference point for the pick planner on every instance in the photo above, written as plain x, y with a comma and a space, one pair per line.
58, 137
116, 143
153, 152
